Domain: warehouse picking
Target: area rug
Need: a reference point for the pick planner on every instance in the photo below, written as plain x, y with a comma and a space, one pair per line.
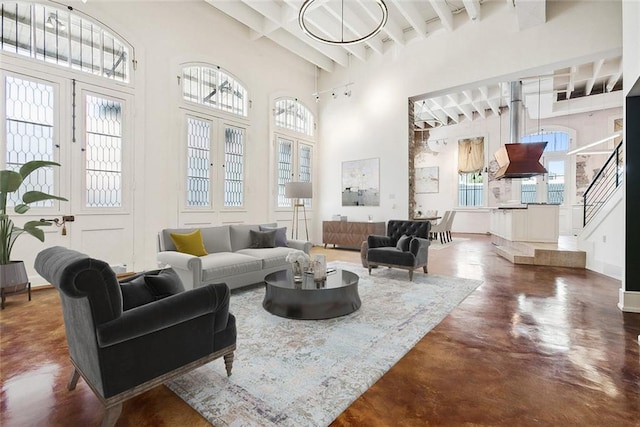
306, 372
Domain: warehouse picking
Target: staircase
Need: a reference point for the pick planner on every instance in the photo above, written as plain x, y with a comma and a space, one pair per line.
563, 254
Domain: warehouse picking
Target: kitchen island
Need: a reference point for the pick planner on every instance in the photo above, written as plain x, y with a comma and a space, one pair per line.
526, 223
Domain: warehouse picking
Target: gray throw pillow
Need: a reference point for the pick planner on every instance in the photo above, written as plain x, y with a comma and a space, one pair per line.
135, 293
163, 283
403, 243
281, 235
262, 239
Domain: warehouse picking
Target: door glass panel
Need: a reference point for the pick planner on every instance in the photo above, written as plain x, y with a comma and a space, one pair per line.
233, 166
103, 152
29, 132
198, 162
304, 162
285, 169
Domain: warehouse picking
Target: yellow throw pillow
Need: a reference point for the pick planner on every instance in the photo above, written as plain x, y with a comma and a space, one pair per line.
190, 243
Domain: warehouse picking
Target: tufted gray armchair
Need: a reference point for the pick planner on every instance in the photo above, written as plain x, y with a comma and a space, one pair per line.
405, 246
162, 332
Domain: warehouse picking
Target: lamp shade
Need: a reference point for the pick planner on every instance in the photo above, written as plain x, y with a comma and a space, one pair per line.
298, 190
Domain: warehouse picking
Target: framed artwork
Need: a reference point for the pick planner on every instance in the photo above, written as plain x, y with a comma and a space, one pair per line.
361, 182
427, 180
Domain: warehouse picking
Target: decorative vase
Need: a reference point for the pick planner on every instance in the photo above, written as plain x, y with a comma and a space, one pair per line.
13, 280
296, 268
319, 268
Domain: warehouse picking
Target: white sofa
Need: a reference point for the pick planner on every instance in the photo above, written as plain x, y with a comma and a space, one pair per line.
230, 258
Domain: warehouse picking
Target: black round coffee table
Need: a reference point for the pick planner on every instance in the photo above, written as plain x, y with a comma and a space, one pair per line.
310, 300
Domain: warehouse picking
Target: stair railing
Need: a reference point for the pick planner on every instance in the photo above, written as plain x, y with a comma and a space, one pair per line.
604, 184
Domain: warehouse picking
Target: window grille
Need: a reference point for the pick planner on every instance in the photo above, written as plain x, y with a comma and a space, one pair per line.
198, 162
214, 88
470, 189
62, 37
103, 152
233, 167
291, 114
304, 167
29, 125
285, 169
557, 143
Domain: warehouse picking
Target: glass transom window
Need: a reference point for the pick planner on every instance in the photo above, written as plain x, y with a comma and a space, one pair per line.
214, 88
61, 37
291, 114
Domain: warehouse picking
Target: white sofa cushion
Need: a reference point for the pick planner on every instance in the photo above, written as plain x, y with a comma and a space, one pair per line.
223, 264
216, 239
240, 238
270, 257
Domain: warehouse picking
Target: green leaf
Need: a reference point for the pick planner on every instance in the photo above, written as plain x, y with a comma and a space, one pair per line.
38, 196
31, 227
21, 208
29, 167
10, 181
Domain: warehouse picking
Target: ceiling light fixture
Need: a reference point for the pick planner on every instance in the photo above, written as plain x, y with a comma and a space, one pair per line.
302, 15
593, 144
432, 120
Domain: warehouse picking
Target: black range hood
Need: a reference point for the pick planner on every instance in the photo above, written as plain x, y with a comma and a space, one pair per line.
518, 160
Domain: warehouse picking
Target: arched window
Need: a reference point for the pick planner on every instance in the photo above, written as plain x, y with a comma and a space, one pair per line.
553, 157
214, 88
294, 160
62, 37
292, 115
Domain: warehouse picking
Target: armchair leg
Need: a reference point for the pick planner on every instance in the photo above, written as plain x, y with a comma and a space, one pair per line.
369, 269
411, 275
424, 268
73, 380
111, 415
228, 363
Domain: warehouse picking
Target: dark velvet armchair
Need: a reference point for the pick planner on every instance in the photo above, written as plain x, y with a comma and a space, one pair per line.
406, 246
126, 338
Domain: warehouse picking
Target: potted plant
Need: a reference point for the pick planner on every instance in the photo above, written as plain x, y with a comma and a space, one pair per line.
13, 275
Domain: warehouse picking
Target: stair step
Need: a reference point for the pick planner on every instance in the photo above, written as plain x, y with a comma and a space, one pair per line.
550, 257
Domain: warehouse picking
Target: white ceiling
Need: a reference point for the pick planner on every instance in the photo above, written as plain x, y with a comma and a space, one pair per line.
407, 20
589, 84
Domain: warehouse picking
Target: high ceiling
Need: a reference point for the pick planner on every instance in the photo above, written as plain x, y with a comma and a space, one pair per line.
582, 87
407, 20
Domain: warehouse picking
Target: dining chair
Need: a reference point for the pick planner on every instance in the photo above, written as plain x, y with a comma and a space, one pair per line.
452, 215
439, 230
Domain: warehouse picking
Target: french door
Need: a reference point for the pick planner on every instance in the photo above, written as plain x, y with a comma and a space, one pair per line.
87, 129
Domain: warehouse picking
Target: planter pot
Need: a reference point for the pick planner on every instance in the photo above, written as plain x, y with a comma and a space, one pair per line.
13, 279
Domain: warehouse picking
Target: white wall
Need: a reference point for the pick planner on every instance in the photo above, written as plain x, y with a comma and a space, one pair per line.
165, 34
374, 122
584, 128
631, 51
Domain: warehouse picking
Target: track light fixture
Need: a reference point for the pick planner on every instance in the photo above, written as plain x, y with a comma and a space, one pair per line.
335, 91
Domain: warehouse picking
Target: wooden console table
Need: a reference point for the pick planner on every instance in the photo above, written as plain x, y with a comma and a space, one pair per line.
350, 234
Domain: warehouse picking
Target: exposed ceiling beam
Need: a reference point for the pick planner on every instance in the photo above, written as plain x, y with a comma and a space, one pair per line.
597, 66
473, 9
444, 13
475, 105
413, 16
